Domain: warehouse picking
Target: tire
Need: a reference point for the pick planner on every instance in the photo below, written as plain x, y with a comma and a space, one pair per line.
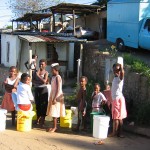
120, 45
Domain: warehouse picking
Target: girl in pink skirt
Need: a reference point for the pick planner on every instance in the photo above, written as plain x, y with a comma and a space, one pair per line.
118, 101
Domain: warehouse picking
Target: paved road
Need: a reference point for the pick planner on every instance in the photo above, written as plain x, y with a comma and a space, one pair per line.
65, 139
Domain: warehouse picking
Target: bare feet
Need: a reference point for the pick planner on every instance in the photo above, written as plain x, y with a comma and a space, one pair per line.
112, 135
99, 142
51, 130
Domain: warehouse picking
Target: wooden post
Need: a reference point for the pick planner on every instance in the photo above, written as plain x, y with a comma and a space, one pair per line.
53, 22
81, 55
30, 57
74, 22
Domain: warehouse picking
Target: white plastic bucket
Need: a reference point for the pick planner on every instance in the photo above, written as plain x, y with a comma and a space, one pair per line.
3, 119
100, 126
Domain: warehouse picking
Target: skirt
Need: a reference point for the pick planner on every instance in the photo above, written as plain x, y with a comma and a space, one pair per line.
7, 102
119, 108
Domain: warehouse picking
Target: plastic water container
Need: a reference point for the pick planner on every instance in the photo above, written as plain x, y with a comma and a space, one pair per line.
100, 126
120, 60
67, 120
24, 120
92, 114
3, 119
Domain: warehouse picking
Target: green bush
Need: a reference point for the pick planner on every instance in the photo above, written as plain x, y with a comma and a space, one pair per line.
137, 65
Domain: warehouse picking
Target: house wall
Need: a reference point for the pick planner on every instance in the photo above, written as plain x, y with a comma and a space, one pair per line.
93, 21
64, 50
14, 49
19, 51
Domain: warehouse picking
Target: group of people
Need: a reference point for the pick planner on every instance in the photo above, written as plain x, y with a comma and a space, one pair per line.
112, 97
18, 96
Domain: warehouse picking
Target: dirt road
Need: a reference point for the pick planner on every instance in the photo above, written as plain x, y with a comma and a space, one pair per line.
65, 139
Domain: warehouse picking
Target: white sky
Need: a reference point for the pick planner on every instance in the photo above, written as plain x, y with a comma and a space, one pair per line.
6, 14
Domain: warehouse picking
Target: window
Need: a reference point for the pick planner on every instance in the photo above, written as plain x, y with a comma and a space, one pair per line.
8, 51
51, 53
147, 25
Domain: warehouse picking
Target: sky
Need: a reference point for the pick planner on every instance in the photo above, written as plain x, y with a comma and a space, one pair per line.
6, 14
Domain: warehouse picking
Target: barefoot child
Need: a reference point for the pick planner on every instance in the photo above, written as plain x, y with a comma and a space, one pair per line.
98, 99
40, 80
24, 94
82, 103
10, 84
118, 100
56, 107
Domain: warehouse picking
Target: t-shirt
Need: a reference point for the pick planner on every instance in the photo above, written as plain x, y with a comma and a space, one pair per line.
117, 86
24, 94
97, 99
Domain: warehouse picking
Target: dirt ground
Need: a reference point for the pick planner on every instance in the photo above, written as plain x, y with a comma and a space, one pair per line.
64, 139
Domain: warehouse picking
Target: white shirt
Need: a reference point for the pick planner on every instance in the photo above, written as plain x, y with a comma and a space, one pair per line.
24, 94
117, 86
97, 100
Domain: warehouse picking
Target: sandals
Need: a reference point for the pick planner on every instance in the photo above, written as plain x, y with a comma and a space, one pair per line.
99, 143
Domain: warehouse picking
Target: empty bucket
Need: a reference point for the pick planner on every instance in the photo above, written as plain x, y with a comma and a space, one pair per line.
67, 120
100, 126
3, 119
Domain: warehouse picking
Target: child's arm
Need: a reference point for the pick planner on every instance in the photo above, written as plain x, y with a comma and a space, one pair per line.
30, 95
121, 72
26, 64
45, 79
58, 87
84, 99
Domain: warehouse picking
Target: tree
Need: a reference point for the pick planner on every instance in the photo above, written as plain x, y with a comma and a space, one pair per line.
9, 27
21, 7
100, 2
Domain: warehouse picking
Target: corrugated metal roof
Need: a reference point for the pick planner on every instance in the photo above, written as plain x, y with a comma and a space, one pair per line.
51, 39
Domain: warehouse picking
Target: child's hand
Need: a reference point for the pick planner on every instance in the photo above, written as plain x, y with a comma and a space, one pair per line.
32, 102
54, 102
83, 113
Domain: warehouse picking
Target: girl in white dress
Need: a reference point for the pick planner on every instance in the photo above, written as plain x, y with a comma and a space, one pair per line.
56, 107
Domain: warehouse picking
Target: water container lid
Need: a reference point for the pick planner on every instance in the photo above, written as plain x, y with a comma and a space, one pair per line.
2, 111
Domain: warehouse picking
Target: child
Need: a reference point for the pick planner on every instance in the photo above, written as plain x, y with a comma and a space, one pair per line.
118, 100
10, 84
82, 104
24, 94
56, 107
107, 94
97, 99
32, 65
40, 80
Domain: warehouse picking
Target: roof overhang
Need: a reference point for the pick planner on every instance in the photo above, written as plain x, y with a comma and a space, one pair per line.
68, 8
32, 17
50, 39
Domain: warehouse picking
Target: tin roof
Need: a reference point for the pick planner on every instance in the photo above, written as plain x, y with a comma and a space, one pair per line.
50, 39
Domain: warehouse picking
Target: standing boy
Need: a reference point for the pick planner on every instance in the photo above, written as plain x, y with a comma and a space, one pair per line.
82, 103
